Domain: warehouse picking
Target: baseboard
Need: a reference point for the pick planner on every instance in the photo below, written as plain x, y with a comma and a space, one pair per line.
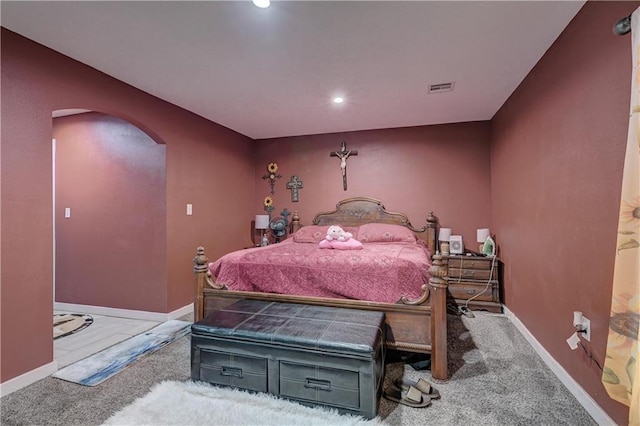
123, 313
187, 309
589, 404
28, 378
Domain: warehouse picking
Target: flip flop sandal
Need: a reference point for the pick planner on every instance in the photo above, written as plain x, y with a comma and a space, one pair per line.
452, 308
422, 385
412, 397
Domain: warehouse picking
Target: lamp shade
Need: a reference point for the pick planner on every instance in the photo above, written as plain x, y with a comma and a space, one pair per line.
482, 235
262, 221
445, 234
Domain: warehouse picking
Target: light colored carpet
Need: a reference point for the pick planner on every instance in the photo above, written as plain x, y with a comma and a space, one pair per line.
196, 403
496, 379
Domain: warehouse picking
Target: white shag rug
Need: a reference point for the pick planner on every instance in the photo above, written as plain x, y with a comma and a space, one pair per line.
198, 403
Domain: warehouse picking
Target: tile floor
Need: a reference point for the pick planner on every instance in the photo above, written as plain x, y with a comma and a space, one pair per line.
105, 331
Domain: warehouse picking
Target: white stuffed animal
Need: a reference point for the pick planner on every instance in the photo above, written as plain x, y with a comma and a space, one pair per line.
336, 233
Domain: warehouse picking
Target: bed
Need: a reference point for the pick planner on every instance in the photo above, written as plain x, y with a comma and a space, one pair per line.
410, 290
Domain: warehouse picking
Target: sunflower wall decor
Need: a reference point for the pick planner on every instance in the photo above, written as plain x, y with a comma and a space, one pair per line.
272, 175
268, 204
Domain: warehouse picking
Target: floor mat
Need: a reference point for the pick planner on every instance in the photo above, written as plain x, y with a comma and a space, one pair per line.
66, 324
97, 368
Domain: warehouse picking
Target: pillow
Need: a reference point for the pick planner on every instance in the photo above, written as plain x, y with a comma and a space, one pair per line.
310, 234
350, 244
385, 233
316, 233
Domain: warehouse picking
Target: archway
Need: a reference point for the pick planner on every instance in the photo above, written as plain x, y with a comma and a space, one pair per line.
109, 215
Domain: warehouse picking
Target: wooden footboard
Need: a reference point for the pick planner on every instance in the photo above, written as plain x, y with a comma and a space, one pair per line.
414, 326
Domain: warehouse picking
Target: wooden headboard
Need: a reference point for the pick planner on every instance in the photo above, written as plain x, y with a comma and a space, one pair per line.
357, 211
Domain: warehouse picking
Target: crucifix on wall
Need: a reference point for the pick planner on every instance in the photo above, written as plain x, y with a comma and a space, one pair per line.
294, 185
343, 154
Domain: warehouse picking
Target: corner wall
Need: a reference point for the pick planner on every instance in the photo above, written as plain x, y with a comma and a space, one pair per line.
557, 150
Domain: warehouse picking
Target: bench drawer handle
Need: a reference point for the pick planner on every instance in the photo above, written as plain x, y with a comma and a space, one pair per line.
315, 383
231, 371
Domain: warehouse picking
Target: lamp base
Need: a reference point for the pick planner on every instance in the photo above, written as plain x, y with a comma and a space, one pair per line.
444, 248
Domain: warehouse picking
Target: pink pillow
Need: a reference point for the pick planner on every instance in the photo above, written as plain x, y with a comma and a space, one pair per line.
385, 233
316, 233
350, 244
310, 234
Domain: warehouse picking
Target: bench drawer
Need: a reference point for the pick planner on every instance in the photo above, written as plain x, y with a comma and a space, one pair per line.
320, 385
227, 369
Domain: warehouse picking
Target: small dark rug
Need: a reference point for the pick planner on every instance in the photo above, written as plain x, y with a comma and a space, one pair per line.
66, 324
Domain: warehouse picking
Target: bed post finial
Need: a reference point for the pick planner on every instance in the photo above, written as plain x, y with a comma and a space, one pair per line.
200, 270
431, 218
295, 222
200, 260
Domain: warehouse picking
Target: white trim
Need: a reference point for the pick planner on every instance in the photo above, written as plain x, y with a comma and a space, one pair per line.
28, 378
53, 203
589, 404
123, 313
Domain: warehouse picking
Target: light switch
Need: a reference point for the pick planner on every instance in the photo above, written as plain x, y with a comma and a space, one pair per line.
67, 212
189, 209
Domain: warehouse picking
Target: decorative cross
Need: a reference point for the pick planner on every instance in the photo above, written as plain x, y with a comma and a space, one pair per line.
294, 185
272, 169
343, 154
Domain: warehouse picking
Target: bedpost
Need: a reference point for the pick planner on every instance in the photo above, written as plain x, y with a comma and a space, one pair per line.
438, 272
200, 270
295, 223
432, 226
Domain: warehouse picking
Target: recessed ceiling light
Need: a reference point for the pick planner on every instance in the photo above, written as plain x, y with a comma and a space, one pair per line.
262, 3
338, 100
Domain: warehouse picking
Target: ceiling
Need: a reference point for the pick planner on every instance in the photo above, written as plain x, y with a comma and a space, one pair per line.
274, 72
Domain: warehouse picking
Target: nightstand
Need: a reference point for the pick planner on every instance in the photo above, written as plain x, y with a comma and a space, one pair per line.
476, 278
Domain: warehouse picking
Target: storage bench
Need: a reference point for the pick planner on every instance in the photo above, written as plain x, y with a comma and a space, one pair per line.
314, 355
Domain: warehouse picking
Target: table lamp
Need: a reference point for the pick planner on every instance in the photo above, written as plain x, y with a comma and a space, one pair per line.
482, 235
444, 236
262, 223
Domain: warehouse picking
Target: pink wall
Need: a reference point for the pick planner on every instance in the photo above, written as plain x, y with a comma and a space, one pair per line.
398, 166
550, 164
202, 158
557, 156
112, 176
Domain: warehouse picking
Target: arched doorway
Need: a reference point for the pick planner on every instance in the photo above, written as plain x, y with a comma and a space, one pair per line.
109, 180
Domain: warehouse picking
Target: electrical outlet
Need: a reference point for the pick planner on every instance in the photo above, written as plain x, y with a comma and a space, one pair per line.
586, 324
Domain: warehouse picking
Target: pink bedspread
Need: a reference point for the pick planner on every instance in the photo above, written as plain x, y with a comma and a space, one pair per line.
380, 272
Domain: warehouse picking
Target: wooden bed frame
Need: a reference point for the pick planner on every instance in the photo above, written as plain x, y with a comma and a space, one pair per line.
413, 325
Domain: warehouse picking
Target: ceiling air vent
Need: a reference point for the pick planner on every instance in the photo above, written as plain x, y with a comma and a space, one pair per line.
441, 87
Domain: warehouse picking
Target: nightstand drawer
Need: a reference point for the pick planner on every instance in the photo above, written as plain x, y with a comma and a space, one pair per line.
471, 274
479, 291
471, 263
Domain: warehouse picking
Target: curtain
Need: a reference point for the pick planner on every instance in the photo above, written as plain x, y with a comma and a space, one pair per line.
621, 375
